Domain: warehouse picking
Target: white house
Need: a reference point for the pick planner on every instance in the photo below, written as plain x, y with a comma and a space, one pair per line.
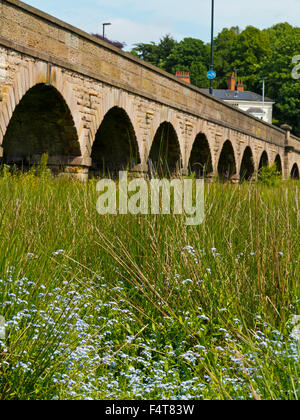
248, 101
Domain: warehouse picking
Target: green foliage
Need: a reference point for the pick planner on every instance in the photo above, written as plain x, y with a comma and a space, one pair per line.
244, 51
269, 176
225, 44
189, 55
155, 54
277, 67
5, 171
42, 169
255, 53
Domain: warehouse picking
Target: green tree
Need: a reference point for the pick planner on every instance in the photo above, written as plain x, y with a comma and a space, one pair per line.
225, 45
252, 48
165, 48
255, 53
147, 52
155, 54
190, 55
243, 50
277, 68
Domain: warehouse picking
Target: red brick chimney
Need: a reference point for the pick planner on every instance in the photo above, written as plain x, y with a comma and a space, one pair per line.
184, 76
240, 86
231, 82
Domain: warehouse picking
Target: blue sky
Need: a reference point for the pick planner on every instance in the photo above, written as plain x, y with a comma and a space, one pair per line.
144, 21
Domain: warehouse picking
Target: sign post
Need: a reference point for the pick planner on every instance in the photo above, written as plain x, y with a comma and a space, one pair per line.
212, 47
211, 75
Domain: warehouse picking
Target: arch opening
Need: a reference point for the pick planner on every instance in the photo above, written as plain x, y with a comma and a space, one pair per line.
200, 161
115, 147
227, 164
264, 161
295, 172
165, 156
278, 163
41, 123
247, 165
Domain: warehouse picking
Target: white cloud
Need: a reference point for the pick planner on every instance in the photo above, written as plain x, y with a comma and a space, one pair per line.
145, 21
132, 32
234, 12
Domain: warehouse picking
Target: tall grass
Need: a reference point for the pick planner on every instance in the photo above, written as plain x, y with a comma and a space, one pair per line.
144, 307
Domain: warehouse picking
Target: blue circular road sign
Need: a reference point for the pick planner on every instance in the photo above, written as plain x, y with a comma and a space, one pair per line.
211, 74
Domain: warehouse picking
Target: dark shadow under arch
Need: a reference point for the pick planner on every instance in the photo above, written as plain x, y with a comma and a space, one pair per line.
115, 147
295, 172
41, 123
278, 163
165, 156
200, 160
227, 164
247, 165
264, 161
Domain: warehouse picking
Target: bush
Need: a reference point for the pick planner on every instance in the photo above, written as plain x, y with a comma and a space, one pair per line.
269, 175
5, 171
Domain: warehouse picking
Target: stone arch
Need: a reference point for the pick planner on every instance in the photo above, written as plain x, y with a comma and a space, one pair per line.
115, 147
41, 123
295, 174
165, 154
103, 101
264, 160
227, 167
153, 122
200, 160
278, 163
247, 168
26, 78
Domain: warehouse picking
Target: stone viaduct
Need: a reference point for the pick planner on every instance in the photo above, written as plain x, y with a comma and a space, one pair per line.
94, 108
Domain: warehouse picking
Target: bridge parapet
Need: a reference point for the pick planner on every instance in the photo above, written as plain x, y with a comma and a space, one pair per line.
295, 142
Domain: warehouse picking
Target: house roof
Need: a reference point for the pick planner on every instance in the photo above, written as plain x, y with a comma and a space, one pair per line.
234, 95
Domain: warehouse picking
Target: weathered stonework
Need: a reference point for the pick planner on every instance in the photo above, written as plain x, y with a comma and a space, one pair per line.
93, 77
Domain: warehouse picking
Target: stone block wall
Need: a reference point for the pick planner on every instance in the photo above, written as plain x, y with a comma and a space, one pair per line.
93, 77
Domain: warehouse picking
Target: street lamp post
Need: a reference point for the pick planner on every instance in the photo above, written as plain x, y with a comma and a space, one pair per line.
105, 24
263, 91
264, 95
212, 44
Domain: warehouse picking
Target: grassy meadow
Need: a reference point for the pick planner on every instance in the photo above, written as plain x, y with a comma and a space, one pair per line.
144, 307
